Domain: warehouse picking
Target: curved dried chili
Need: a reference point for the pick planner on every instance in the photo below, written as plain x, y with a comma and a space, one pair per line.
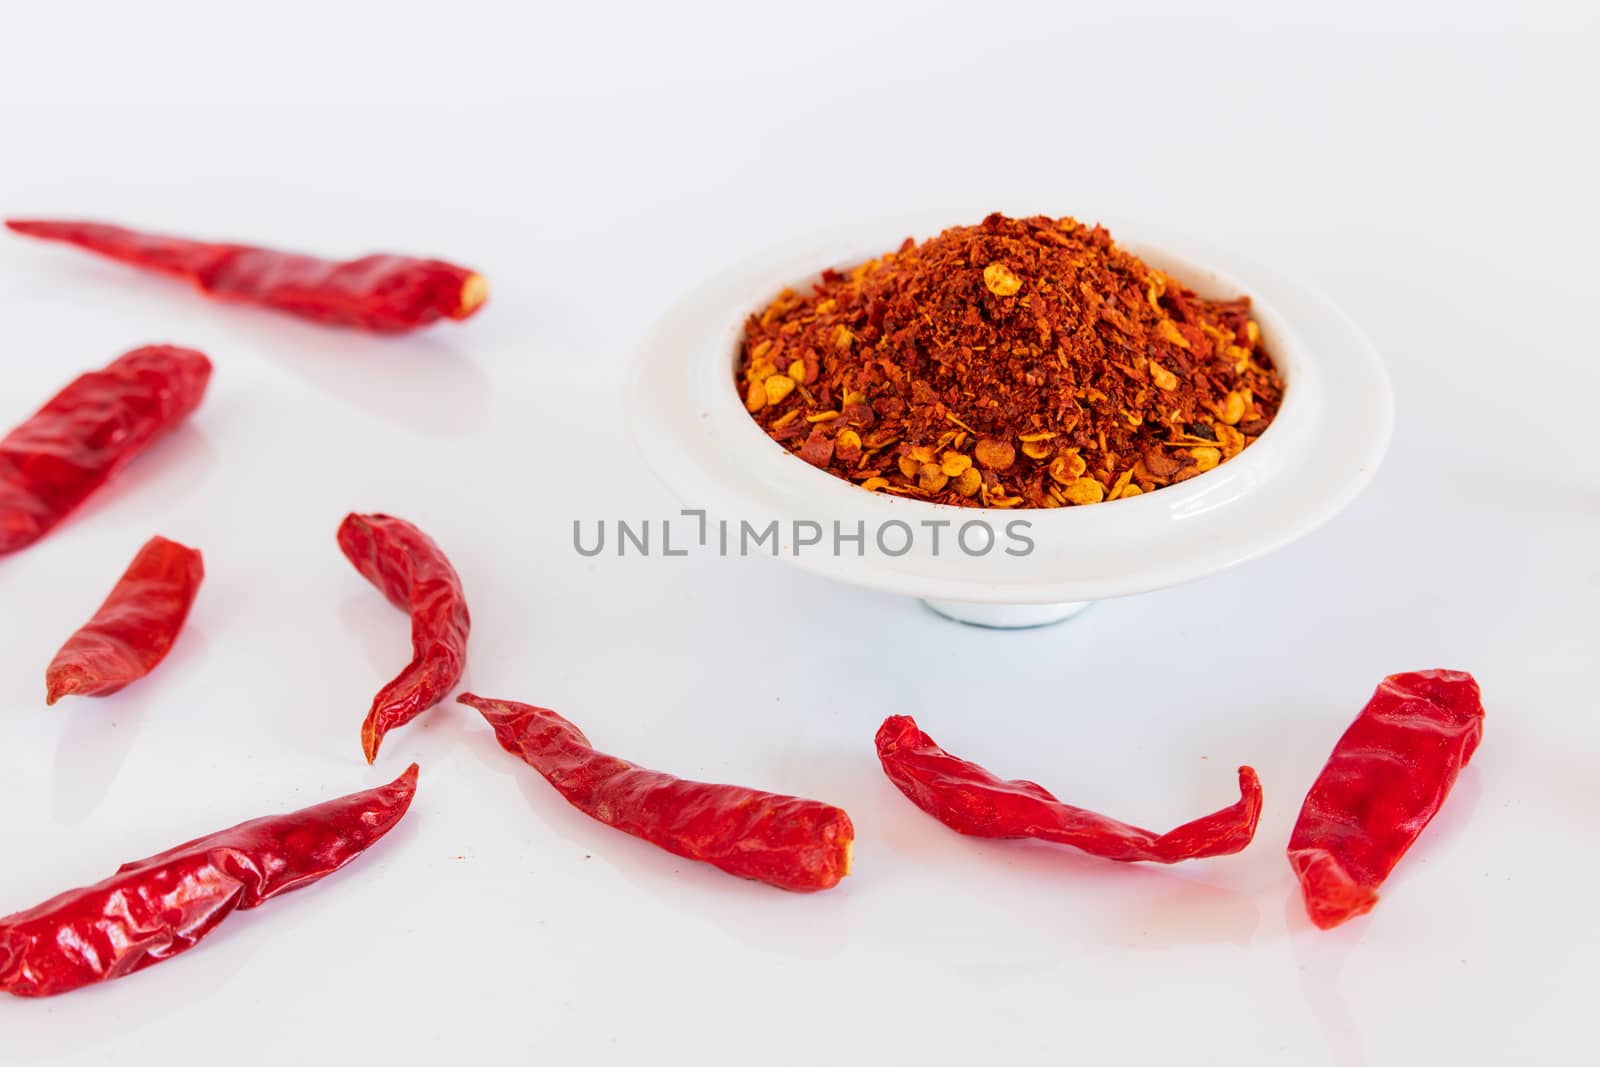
153, 909
788, 842
971, 800
1385, 781
1020, 362
380, 293
88, 432
414, 574
134, 629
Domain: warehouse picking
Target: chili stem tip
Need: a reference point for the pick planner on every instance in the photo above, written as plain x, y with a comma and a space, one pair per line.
474, 291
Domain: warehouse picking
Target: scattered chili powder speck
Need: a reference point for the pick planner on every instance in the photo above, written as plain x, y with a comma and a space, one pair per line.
1019, 362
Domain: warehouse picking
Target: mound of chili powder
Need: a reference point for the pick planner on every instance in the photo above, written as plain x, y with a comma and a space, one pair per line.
1019, 362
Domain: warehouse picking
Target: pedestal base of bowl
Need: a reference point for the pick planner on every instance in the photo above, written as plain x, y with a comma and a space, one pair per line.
1007, 616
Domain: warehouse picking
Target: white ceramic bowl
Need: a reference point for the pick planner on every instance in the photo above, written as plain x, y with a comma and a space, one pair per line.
1325, 444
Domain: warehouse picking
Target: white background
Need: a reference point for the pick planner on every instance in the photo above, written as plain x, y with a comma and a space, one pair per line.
1431, 170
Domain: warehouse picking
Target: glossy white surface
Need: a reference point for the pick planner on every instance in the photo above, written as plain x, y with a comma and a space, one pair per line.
1322, 448
1423, 168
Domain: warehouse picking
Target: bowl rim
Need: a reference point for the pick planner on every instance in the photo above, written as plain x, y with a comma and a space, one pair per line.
1333, 428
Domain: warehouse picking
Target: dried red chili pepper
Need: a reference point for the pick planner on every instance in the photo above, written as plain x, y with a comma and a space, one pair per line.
135, 627
1386, 780
788, 842
88, 432
971, 800
414, 574
156, 908
380, 293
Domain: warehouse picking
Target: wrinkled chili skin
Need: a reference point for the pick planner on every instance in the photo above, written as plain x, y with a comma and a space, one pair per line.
971, 800
377, 293
88, 432
134, 629
788, 842
1387, 778
415, 575
153, 909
